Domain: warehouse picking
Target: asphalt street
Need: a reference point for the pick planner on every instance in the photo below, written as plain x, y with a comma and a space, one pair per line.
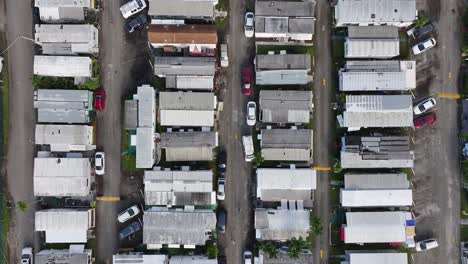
323, 124
238, 203
437, 174
19, 159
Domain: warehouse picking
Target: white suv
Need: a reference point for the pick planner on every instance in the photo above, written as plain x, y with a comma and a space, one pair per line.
132, 7
128, 214
249, 26
27, 256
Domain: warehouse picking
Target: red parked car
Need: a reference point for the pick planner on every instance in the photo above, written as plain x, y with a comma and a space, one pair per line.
423, 121
99, 99
247, 80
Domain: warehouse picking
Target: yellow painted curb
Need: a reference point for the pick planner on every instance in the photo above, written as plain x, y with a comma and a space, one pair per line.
322, 168
108, 198
450, 95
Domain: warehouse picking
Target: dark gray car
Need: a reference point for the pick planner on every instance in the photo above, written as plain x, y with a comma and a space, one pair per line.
136, 23
222, 219
418, 32
129, 230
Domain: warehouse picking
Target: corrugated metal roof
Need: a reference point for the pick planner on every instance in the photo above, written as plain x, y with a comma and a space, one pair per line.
182, 34
75, 99
380, 32
192, 260
283, 61
63, 116
283, 258
62, 3
376, 227
182, 8
55, 39
62, 177
145, 147
286, 138
133, 258
131, 114
290, 184
284, 8
380, 258
378, 111
184, 65
285, 106
63, 225
376, 198
189, 118
282, 77
359, 76
372, 48
63, 256
191, 82
62, 66
390, 12
163, 226
146, 97
65, 137
188, 139
376, 181
189, 154
281, 225
186, 101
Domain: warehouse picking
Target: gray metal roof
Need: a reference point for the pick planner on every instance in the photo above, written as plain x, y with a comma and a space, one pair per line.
184, 65
163, 226
64, 256
190, 82
377, 152
378, 76
372, 48
283, 61
131, 114
280, 106
186, 101
62, 66
376, 181
192, 260
284, 8
145, 147
378, 111
374, 257
189, 146
380, 32
164, 187
282, 77
139, 258
67, 39
290, 184
62, 3
281, 225
284, 25
64, 225
65, 138
182, 8
286, 144
390, 12
146, 97
63, 116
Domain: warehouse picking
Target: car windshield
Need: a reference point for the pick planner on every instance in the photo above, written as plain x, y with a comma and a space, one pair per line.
423, 245
421, 47
421, 108
131, 212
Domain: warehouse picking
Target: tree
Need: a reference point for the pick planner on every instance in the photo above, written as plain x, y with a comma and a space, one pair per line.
22, 206
316, 226
337, 166
295, 247
422, 20
212, 250
258, 158
270, 249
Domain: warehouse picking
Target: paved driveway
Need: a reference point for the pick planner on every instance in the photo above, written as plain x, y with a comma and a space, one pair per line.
437, 174
238, 203
124, 64
20, 154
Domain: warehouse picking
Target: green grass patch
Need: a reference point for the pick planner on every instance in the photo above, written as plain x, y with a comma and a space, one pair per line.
464, 204
464, 84
128, 160
222, 5
221, 24
464, 233
404, 46
5, 225
338, 50
334, 196
5, 103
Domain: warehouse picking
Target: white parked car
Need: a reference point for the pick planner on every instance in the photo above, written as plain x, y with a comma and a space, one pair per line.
27, 256
224, 56
251, 113
247, 141
1, 63
424, 106
100, 163
247, 257
249, 25
221, 188
424, 46
132, 7
128, 214
426, 244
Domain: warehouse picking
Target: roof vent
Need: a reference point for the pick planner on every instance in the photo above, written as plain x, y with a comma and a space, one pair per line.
372, 15
396, 10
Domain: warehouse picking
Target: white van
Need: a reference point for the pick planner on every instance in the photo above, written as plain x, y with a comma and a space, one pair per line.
224, 56
247, 141
132, 7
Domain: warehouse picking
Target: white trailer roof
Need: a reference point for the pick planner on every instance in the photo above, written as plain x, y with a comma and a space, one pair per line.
63, 225
62, 177
376, 198
64, 138
281, 225
290, 184
145, 147
376, 227
377, 258
62, 66
372, 48
188, 82
187, 118
282, 77
139, 259
67, 39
